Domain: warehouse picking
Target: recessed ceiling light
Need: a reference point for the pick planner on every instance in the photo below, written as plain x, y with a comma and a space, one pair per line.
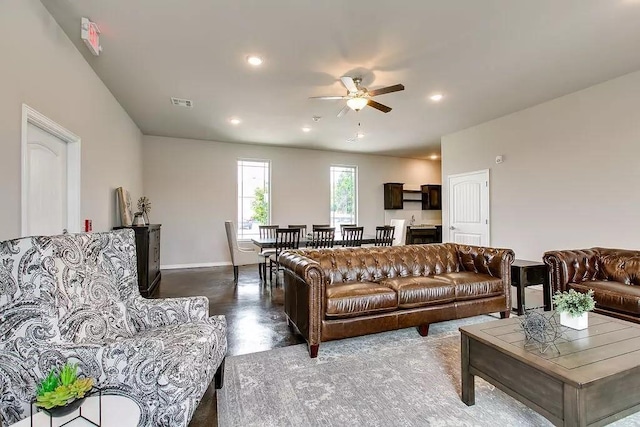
360, 135
436, 97
254, 60
235, 121
306, 129
434, 157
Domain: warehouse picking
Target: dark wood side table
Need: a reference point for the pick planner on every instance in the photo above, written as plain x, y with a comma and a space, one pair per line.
528, 273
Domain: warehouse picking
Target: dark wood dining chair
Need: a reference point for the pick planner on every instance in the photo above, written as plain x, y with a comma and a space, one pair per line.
302, 227
342, 227
352, 236
266, 232
316, 226
286, 238
323, 238
384, 235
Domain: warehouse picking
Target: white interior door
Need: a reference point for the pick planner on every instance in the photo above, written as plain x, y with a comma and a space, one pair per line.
469, 208
50, 177
46, 183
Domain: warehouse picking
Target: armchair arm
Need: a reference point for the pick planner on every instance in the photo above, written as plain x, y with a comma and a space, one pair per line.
151, 313
304, 294
571, 266
131, 364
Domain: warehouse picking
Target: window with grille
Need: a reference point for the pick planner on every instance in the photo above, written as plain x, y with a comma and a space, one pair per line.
344, 195
254, 197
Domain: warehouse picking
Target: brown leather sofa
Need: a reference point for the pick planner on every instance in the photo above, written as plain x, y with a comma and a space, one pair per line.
613, 274
338, 293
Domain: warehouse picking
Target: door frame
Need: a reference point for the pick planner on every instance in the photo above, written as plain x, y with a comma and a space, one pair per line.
487, 173
73, 143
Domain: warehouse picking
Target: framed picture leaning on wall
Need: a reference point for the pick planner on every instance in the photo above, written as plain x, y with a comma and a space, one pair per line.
124, 206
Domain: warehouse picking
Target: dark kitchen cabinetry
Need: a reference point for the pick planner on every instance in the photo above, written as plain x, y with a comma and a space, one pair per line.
431, 197
393, 195
148, 255
423, 235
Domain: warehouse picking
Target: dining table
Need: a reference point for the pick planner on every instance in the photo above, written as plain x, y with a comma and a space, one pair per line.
270, 242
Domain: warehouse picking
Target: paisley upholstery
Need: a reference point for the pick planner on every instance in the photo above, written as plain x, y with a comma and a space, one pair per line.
76, 297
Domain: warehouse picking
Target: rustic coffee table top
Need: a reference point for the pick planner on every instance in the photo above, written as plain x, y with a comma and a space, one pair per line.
607, 347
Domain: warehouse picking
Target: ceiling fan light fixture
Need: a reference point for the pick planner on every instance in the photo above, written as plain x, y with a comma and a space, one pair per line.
357, 104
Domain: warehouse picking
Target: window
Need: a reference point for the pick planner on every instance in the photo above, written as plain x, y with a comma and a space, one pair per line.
253, 197
344, 200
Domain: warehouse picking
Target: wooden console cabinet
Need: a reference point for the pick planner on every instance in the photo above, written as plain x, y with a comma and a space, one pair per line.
148, 254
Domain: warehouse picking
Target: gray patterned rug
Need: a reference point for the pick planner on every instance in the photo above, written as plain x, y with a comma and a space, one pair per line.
389, 379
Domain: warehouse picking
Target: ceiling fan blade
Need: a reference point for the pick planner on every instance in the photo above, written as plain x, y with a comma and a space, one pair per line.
349, 83
328, 97
378, 106
388, 89
344, 111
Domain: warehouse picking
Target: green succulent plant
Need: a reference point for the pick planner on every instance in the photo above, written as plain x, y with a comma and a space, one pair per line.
574, 303
60, 388
48, 384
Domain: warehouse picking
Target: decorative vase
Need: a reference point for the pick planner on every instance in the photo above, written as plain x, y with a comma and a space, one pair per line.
575, 322
61, 411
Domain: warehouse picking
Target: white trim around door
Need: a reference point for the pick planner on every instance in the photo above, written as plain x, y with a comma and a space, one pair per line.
29, 115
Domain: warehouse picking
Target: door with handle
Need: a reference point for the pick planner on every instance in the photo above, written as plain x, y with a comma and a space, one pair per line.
469, 208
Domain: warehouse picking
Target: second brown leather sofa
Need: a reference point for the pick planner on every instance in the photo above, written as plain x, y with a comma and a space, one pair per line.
337, 293
613, 274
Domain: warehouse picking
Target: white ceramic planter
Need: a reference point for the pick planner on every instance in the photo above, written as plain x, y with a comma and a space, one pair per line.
579, 322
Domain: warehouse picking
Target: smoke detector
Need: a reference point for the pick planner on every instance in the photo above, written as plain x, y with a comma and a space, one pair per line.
181, 102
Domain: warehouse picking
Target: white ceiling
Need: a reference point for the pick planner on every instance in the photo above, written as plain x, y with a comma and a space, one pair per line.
488, 57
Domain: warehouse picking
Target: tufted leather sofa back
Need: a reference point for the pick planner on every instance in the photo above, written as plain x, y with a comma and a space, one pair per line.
373, 264
620, 265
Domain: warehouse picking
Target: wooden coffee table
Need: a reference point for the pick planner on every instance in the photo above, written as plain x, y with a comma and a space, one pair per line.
593, 381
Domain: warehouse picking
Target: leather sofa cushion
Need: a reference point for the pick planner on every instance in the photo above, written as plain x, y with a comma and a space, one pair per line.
359, 298
612, 295
469, 285
620, 265
420, 291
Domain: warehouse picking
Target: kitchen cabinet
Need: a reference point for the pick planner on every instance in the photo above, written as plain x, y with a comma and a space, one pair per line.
431, 197
427, 198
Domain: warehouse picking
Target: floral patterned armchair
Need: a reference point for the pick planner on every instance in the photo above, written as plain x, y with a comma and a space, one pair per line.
75, 296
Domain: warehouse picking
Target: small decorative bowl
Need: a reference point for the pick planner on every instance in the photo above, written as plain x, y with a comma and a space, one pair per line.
61, 411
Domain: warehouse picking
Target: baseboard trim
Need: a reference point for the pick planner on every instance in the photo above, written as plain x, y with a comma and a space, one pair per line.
199, 265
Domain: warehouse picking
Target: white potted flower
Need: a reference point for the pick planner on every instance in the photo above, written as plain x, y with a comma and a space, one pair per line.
574, 308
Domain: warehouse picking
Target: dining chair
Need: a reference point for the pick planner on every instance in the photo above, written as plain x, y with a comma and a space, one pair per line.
352, 236
323, 237
286, 238
342, 226
316, 226
266, 232
400, 231
239, 256
302, 227
384, 235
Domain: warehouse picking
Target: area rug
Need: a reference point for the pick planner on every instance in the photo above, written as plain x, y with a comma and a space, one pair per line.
393, 378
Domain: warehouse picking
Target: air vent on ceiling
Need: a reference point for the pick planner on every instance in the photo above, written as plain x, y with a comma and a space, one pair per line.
180, 102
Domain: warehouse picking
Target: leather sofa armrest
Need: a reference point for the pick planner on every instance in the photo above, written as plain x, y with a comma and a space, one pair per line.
570, 266
495, 262
304, 288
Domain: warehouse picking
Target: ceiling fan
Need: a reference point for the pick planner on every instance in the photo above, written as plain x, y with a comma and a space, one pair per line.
359, 97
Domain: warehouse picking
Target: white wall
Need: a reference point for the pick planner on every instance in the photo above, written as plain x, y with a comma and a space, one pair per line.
571, 171
39, 66
192, 188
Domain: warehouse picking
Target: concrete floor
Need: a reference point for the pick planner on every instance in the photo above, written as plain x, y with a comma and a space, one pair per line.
255, 316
